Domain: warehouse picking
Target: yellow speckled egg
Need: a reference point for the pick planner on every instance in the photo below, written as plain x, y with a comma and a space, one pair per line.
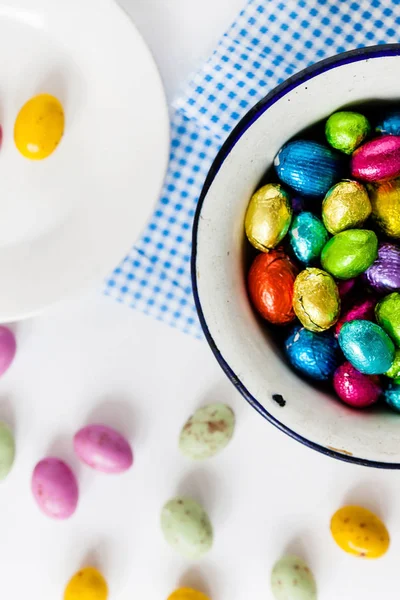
87, 584
39, 127
358, 531
187, 594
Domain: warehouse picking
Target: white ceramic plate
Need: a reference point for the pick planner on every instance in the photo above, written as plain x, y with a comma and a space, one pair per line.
69, 219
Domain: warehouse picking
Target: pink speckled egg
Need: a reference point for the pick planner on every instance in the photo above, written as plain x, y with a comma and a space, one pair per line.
54, 488
355, 388
377, 160
103, 449
362, 309
8, 348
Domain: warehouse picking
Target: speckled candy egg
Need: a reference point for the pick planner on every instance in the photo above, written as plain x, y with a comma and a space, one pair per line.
103, 449
187, 594
345, 206
207, 432
316, 299
307, 237
291, 579
385, 202
392, 396
87, 584
367, 346
54, 488
360, 532
363, 309
346, 130
350, 253
270, 286
354, 388
8, 348
389, 123
315, 355
384, 274
268, 217
186, 527
308, 167
387, 314
377, 160
7, 450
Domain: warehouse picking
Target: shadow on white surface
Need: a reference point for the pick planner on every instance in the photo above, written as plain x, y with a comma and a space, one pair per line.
299, 546
119, 414
7, 412
370, 495
194, 578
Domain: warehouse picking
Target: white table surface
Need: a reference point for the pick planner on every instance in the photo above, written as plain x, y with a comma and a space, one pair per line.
95, 360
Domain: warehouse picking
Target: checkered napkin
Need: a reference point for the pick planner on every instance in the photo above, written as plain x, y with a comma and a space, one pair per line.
269, 41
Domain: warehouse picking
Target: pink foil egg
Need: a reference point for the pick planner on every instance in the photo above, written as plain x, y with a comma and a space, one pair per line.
355, 388
363, 309
103, 449
8, 348
54, 488
377, 160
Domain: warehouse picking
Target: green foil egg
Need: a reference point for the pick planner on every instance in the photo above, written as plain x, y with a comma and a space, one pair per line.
207, 432
385, 202
387, 313
291, 579
268, 217
186, 527
394, 371
316, 299
350, 253
346, 130
345, 206
307, 237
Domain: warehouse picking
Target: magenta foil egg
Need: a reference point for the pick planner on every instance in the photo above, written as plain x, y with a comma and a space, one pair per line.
377, 160
355, 388
384, 274
346, 287
362, 309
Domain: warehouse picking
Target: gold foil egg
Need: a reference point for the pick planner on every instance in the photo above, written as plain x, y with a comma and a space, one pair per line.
316, 299
385, 201
268, 217
345, 206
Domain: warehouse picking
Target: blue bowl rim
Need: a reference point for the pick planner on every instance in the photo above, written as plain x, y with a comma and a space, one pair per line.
251, 116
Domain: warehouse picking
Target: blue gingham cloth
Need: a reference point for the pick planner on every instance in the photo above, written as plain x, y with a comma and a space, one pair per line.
269, 41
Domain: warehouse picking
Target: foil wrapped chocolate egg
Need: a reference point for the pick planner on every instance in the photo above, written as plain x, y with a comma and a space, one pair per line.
389, 124
384, 274
350, 253
316, 299
315, 355
363, 309
366, 346
270, 284
387, 314
392, 396
346, 287
355, 388
377, 160
346, 130
307, 237
345, 206
268, 216
394, 371
385, 202
308, 167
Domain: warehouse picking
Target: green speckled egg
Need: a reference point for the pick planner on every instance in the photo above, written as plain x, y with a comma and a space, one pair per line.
186, 527
316, 299
268, 217
346, 130
387, 313
350, 253
394, 371
7, 450
291, 579
207, 432
345, 206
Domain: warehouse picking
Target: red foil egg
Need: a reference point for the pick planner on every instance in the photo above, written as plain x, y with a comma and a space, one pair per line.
270, 285
355, 388
363, 309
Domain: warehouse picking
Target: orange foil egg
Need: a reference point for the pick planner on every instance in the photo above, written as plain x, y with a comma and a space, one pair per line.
270, 285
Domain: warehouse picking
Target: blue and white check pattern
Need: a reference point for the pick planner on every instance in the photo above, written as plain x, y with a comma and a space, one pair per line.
268, 42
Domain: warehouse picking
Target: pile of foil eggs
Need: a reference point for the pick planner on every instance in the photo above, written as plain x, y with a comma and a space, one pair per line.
327, 270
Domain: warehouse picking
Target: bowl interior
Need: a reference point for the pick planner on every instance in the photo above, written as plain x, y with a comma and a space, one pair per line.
246, 350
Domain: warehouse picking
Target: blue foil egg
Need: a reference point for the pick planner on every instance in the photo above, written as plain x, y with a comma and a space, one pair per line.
389, 124
392, 396
366, 346
315, 355
307, 237
308, 167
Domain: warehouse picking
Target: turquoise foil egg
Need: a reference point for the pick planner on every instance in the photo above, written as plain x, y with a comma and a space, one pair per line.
308, 167
315, 355
307, 237
389, 124
366, 346
392, 396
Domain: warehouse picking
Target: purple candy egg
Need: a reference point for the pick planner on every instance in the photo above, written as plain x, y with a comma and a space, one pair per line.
384, 274
377, 160
54, 488
103, 449
8, 348
355, 388
363, 309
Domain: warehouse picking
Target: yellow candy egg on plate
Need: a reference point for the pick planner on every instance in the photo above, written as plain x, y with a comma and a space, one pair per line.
39, 127
187, 594
86, 584
360, 532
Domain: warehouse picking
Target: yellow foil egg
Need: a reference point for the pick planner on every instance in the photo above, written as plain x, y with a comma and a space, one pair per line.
268, 217
316, 299
86, 584
345, 206
187, 594
358, 531
385, 201
39, 127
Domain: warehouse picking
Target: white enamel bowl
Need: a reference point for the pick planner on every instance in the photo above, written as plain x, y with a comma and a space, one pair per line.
242, 347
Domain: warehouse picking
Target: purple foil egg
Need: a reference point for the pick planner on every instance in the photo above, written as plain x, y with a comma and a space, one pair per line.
377, 160
362, 309
355, 388
384, 274
346, 287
